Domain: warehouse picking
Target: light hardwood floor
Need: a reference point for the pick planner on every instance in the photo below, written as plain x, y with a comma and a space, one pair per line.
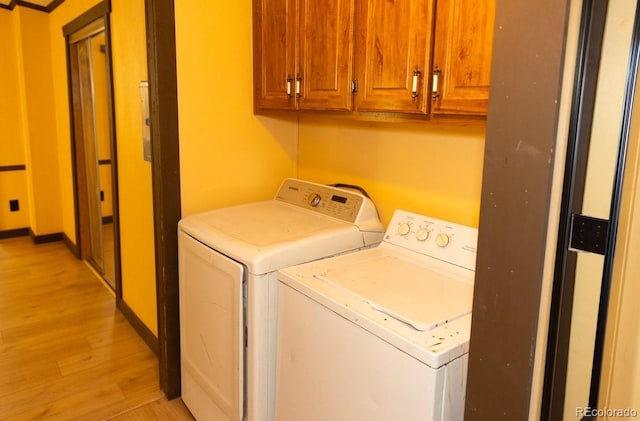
66, 352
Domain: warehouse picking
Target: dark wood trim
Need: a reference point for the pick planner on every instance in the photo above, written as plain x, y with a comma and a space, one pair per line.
7, 168
31, 6
71, 245
48, 9
100, 10
54, 5
138, 325
18, 232
516, 188
163, 102
47, 238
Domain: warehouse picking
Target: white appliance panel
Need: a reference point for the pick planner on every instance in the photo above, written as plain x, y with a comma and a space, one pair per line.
320, 279
346, 384
212, 328
270, 235
222, 345
412, 294
348, 324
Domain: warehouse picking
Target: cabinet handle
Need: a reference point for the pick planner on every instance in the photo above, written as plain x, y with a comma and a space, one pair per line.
414, 85
298, 83
289, 80
434, 85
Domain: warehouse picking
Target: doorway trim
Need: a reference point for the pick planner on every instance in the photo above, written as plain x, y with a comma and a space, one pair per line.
163, 107
99, 11
587, 69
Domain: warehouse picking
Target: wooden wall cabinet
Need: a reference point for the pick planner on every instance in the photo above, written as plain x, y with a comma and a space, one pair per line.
393, 64
374, 57
303, 54
462, 56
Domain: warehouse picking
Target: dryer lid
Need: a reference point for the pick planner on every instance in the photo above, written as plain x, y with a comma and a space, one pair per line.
267, 236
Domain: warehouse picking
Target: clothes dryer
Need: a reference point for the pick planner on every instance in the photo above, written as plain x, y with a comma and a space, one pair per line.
228, 260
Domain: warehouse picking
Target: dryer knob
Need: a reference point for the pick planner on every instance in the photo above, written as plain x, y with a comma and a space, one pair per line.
314, 200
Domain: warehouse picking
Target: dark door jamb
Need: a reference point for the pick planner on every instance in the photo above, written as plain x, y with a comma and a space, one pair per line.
163, 106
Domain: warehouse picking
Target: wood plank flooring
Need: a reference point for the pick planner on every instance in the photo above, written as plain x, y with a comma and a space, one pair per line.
66, 352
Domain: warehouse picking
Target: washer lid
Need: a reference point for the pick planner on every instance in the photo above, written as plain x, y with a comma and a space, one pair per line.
413, 294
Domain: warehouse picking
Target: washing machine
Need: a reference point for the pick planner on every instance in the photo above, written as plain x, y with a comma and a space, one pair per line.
228, 260
379, 334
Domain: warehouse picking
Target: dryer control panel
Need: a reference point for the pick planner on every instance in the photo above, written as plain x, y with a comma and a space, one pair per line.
447, 241
346, 205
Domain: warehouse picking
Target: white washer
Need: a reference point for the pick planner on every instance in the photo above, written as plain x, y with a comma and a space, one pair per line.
228, 260
380, 334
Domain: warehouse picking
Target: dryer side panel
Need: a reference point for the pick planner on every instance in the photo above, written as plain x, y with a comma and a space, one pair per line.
211, 330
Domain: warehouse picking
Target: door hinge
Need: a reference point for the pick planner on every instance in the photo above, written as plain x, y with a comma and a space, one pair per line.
589, 234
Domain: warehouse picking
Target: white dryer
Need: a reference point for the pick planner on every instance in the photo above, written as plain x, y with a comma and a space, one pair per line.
228, 260
380, 334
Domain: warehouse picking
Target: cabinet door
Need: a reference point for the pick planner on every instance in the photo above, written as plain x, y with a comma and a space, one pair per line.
325, 65
394, 39
463, 48
274, 40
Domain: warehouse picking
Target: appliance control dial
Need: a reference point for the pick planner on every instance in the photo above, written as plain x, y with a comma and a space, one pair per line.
404, 229
314, 199
443, 240
422, 234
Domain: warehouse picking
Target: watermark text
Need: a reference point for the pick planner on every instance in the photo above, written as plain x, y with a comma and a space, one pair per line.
585, 411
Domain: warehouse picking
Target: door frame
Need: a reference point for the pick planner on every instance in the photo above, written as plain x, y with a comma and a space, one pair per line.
100, 10
163, 108
593, 23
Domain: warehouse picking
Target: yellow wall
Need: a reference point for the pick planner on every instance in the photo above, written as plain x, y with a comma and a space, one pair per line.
134, 174
38, 134
227, 154
427, 169
11, 150
13, 184
135, 199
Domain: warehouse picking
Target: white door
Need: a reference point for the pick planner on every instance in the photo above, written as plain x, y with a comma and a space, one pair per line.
211, 331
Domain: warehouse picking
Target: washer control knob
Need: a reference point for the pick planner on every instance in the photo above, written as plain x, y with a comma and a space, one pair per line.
314, 200
404, 229
443, 240
422, 234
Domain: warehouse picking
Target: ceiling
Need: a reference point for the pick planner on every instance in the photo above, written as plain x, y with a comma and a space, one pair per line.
43, 5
